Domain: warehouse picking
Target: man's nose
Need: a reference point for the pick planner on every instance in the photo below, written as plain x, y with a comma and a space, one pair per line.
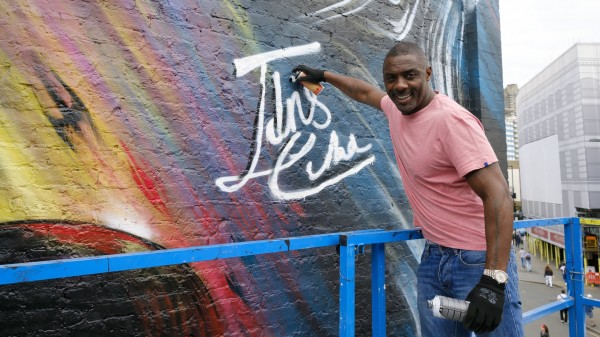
400, 83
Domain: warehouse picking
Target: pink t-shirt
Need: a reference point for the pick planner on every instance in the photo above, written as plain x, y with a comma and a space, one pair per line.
435, 148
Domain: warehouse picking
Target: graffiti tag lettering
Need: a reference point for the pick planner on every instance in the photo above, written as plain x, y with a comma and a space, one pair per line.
282, 129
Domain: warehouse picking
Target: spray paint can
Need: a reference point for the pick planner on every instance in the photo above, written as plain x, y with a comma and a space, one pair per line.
449, 308
315, 88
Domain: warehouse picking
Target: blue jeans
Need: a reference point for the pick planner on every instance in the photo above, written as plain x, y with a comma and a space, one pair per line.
453, 273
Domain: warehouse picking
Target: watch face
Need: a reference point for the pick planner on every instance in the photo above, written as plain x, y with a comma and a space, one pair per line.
501, 277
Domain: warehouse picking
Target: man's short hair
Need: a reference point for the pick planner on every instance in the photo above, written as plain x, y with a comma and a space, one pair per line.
408, 48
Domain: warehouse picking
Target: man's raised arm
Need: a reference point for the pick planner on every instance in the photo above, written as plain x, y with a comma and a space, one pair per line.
354, 88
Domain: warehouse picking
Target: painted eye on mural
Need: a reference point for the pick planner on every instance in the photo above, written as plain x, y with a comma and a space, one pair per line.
65, 110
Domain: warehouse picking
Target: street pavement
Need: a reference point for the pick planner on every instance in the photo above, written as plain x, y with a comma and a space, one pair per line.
535, 293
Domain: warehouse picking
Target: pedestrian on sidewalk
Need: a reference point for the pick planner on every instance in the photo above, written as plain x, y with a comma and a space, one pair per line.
545, 332
563, 270
548, 274
522, 255
589, 312
528, 261
564, 313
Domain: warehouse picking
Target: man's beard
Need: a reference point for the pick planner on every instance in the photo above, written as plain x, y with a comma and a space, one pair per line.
408, 107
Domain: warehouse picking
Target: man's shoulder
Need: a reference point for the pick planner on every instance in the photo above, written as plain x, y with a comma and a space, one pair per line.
451, 105
388, 107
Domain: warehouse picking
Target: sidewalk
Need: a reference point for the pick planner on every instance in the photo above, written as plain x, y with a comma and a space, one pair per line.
536, 276
537, 273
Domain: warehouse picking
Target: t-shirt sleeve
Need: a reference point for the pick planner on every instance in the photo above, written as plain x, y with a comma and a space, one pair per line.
467, 146
387, 105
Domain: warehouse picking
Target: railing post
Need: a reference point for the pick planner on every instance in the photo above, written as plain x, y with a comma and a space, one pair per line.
347, 279
378, 289
574, 270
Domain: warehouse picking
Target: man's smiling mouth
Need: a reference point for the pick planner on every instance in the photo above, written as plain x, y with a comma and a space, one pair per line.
403, 97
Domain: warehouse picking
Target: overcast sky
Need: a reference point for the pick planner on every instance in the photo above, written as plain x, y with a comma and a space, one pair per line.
536, 32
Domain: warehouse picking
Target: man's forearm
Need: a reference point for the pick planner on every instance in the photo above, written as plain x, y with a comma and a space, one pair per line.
498, 231
491, 187
356, 89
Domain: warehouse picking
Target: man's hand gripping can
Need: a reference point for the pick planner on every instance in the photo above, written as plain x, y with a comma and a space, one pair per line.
315, 88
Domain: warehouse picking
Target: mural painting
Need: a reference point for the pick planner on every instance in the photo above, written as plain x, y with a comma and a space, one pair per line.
142, 125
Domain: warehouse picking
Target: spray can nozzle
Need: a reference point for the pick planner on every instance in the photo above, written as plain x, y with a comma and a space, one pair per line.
315, 88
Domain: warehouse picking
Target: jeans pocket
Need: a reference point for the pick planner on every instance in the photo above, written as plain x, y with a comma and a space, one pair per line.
426, 252
472, 258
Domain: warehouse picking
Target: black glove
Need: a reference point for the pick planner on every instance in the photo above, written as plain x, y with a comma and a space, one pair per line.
310, 74
486, 306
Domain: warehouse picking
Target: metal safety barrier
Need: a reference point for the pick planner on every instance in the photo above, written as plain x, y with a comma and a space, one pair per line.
351, 243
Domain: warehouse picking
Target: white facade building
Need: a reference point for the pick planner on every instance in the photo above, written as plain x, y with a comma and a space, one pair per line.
558, 113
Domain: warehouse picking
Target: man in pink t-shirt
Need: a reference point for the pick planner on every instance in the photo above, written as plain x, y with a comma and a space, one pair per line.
456, 190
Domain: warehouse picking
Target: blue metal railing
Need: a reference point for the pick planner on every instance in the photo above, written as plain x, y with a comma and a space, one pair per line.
351, 243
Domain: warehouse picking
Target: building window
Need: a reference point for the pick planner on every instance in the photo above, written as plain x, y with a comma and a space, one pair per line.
558, 99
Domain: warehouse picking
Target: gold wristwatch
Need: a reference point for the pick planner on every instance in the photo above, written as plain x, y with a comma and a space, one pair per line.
499, 275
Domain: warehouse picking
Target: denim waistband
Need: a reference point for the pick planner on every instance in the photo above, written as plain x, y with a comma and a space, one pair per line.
432, 246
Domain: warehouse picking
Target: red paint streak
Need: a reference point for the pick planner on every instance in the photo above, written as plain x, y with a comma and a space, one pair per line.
95, 237
144, 181
297, 207
238, 316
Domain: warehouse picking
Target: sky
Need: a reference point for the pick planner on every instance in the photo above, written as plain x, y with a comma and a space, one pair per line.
536, 32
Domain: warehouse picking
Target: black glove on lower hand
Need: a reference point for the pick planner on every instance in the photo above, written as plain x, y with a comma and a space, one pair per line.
310, 74
486, 305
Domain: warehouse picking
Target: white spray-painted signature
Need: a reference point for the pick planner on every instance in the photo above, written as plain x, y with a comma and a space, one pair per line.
283, 129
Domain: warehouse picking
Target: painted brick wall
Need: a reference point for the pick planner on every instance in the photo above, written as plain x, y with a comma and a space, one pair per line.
140, 125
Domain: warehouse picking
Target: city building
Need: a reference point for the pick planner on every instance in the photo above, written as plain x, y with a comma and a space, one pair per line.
512, 144
559, 135
558, 114
510, 119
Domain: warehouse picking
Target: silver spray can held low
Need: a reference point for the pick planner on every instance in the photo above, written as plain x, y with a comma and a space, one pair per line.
449, 308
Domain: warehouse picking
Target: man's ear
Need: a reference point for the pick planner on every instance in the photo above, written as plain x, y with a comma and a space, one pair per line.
428, 71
